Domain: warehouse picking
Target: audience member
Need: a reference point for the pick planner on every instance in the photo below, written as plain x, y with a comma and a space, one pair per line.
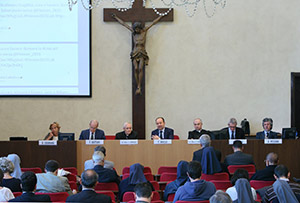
195, 189
127, 133
49, 182
220, 197
54, 131
28, 181
267, 124
232, 132
195, 134
88, 181
93, 133
281, 173
143, 193
233, 191
210, 164
238, 157
5, 193
162, 132
205, 141
267, 174
104, 175
181, 179
136, 176
284, 192
89, 164
8, 181
15, 159
244, 193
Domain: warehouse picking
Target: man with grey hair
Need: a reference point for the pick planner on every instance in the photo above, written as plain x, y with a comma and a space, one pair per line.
267, 124
128, 133
267, 174
89, 164
195, 134
105, 175
205, 142
93, 133
232, 132
220, 197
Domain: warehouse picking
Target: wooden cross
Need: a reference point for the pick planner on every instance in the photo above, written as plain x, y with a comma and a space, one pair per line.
138, 14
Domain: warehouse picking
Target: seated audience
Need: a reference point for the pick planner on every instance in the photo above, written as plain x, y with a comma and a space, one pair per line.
162, 132
267, 174
104, 175
181, 179
93, 133
143, 193
127, 133
284, 192
238, 157
267, 124
233, 191
49, 182
5, 193
281, 173
232, 132
195, 189
195, 134
28, 181
88, 181
220, 197
210, 164
205, 141
54, 131
89, 164
15, 159
8, 181
136, 176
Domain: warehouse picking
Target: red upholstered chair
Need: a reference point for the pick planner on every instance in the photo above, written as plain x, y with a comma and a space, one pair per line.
56, 197
107, 186
167, 169
171, 197
34, 170
129, 196
257, 184
125, 175
148, 176
72, 177
222, 184
168, 177
110, 137
204, 201
127, 170
108, 193
216, 176
251, 174
72, 170
155, 185
156, 201
233, 168
17, 194
176, 137
73, 185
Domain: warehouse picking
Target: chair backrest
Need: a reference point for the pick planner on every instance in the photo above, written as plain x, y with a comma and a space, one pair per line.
72, 170
203, 201
216, 176
110, 137
34, 169
126, 169
71, 177
233, 168
129, 196
257, 184
148, 176
167, 169
155, 185
107, 186
17, 194
171, 197
221, 184
176, 137
56, 197
168, 177
108, 193
73, 185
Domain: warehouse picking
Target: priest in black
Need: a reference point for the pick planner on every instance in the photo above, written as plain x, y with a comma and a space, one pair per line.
128, 133
196, 134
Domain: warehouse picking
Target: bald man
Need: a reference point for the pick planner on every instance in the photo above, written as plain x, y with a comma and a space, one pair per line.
93, 133
196, 134
267, 174
128, 133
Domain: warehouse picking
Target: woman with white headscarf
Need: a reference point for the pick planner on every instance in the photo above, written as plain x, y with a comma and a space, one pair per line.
15, 159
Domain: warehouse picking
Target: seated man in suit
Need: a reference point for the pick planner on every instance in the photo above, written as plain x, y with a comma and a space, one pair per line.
195, 189
88, 181
238, 157
49, 182
128, 133
89, 164
162, 132
28, 183
267, 124
143, 193
205, 141
105, 175
93, 133
267, 174
195, 134
232, 132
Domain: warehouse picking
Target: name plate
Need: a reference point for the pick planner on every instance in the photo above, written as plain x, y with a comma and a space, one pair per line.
168, 141
47, 142
244, 141
94, 142
273, 141
192, 141
129, 142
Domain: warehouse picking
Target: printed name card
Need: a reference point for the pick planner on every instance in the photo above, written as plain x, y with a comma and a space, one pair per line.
273, 141
192, 141
244, 141
129, 142
168, 141
94, 142
47, 142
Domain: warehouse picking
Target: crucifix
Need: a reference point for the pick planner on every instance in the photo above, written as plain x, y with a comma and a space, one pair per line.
138, 15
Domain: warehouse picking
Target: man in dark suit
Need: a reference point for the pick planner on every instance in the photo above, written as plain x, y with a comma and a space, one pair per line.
238, 157
128, 133
232, 132
267, 124
28, 182
162, 132
89, 180
195, 134
143, 193
267, 174
205, 141
93, 133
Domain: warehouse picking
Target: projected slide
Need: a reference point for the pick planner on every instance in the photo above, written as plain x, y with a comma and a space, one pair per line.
44, 49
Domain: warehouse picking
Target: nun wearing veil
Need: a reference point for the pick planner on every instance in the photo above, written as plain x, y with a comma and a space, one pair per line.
15, 159
210, 164
244, 193
283, 192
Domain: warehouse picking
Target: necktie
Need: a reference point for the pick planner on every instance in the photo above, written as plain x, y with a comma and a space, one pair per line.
232, 135
93, 136
160, 134
268, 134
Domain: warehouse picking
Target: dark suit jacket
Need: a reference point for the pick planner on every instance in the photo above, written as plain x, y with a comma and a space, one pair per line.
239, 133
197, 156
122, 135
31, 197
196, 135
85, 134
106, 175
261, 135
89, 196
238, 158
266, 174
168, 134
